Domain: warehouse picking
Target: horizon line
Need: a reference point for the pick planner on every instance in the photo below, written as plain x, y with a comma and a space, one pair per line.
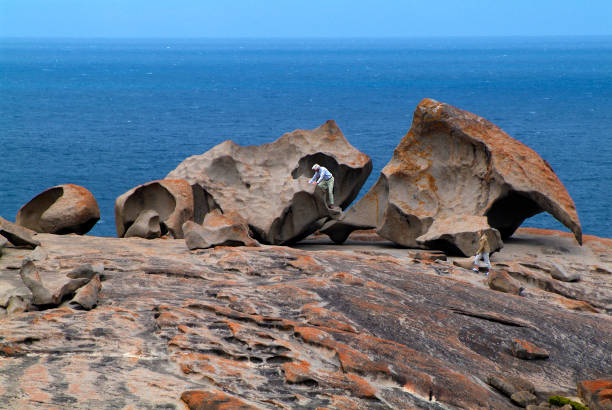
460, 36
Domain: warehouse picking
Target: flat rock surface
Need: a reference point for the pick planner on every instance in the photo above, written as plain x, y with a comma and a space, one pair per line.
362, 325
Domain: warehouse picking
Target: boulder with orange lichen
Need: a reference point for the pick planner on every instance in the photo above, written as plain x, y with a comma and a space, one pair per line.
268, 184
62, 209
452, 162
168, 203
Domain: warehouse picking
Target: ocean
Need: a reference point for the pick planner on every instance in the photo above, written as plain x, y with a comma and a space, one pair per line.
110, 114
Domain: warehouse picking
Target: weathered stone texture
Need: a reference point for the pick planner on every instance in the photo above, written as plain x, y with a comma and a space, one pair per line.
277, 327
171, 199
62, 209
268, 184
452, 162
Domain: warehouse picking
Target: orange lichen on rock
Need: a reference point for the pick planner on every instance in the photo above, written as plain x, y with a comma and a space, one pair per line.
319, 316
55, 315
577, 305
348, 279
306, 263
356, 384
33, 382
296, 372
213, 400
597, 394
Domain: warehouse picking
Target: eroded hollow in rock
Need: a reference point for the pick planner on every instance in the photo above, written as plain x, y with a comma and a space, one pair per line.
203, 203
223, 169
508, 212
153, 196
31, 213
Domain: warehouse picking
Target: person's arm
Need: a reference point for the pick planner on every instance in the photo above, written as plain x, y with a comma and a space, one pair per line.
313, 177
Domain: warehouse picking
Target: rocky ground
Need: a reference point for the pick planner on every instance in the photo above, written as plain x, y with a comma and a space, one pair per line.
363, 325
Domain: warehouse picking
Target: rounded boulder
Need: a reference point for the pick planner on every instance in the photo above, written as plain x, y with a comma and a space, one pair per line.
61, 209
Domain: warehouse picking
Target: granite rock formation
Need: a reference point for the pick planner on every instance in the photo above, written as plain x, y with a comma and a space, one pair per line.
459, 235
268, 184
354, 326
452, 162
171, 199
62, 209
218, 230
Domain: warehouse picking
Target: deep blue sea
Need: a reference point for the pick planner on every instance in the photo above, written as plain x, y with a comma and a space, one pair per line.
112, 114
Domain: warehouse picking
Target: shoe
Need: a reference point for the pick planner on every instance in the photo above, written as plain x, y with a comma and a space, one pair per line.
521, 291
475, 269
486, 273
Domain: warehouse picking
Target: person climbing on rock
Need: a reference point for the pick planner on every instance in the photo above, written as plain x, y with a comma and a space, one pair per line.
483, 252
325, 180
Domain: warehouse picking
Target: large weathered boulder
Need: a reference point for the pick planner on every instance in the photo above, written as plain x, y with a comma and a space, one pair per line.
268, 184
218, 230
452, 162
62, 209
172, 199
459, 234
18, 235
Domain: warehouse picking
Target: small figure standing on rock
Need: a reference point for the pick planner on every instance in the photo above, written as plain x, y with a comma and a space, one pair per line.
325, 180
483, 252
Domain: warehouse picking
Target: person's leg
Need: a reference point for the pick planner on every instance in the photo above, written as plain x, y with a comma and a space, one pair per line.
476, 260
324, 185
330, 191
486, 259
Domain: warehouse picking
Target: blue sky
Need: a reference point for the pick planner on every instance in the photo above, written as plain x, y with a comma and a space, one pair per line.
306, 18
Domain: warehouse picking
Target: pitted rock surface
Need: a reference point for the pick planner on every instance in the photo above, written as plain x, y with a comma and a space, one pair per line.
277, 327
61, 209
452, 162
268, 184
171, 199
